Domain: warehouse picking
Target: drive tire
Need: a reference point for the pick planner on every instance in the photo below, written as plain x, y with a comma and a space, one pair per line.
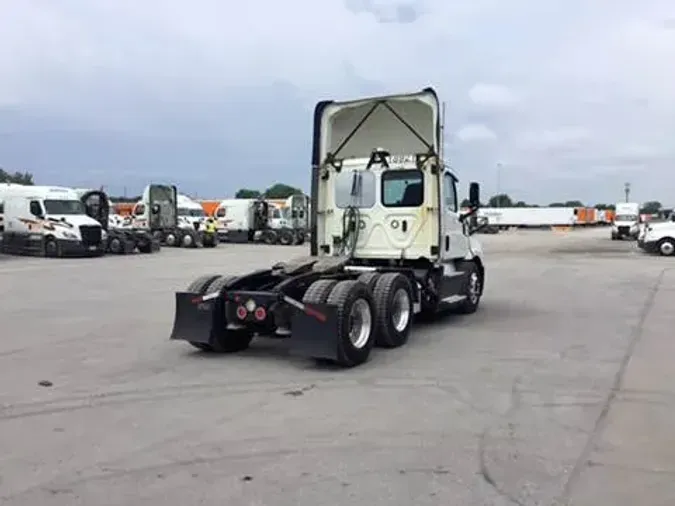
300, 237
473, 290
286, 237
318, 292
393, 309
666, 247
171, 239
369, 279
188, 240
224, 340
353, 299
269, 237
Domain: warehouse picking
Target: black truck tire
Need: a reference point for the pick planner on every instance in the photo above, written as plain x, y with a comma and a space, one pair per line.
369, 279
115, 245
666, 247
473, 290
393, 309
318, 292
270, 236
286, 237
300, 237
52, 249
355, 312
224, 340
171, 238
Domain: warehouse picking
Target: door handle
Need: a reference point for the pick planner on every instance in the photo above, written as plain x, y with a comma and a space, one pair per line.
404, 226
447, 242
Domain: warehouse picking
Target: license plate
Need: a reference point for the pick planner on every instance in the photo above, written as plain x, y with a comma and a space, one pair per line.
92, 248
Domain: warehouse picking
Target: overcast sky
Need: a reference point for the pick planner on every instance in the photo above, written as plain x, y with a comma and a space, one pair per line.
572, 97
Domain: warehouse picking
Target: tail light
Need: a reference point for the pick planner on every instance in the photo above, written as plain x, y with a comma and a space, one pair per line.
241, 312
260, 314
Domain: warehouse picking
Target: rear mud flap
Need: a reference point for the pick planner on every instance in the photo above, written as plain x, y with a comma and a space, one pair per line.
315, 332
192, 321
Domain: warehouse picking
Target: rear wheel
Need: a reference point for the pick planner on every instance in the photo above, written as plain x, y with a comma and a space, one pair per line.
171, 239
394, 309
355, 322
115, 245
299, 237
286, 237
369, 279
188, 240
666, 247
270, 237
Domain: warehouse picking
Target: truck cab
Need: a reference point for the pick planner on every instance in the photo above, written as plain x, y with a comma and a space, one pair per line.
48, 221
626, 222
190, 213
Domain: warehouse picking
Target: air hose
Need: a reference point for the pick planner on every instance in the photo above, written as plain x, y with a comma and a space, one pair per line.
350, 231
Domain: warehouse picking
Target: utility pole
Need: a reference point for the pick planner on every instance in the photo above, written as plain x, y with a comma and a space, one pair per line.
499, 185
626, 190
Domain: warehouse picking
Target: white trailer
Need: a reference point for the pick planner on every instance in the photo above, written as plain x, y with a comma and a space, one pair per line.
505, 217
48, 221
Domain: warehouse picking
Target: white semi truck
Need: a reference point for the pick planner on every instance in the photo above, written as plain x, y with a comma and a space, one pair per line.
388, 241
121, 237
48, 221
255, 220
158, 212
626, 221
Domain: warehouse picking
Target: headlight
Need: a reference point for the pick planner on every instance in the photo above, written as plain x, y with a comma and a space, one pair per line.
70, 235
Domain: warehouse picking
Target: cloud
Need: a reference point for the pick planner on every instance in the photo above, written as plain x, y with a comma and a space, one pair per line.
473, 133
217, 95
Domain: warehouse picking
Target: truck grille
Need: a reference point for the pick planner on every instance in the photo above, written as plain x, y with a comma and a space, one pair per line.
91, 235
624, 230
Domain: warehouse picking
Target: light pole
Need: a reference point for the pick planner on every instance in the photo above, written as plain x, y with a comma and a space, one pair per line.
499, 191
626, 190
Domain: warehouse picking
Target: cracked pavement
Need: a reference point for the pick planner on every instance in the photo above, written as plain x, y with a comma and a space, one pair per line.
559, 391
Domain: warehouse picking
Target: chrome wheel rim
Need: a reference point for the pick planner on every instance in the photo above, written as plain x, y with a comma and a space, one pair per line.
400, 313
360, 323
667, 248
187, 240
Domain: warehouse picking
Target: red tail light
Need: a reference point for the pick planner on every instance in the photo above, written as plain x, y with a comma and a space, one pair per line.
241, 312
260, 314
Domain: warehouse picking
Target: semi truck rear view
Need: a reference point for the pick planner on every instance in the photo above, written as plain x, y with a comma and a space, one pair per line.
388, 241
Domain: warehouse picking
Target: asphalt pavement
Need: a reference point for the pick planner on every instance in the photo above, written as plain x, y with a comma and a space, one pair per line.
558, 391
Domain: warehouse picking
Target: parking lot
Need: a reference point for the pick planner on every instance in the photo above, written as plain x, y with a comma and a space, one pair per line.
558, 391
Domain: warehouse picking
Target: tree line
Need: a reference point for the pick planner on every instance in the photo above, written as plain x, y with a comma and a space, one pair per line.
283, 191
16, 177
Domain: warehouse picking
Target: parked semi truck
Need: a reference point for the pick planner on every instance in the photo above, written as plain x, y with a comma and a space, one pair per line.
48, 221
120, 236
157, 212
626, 221
388, 241
256, 220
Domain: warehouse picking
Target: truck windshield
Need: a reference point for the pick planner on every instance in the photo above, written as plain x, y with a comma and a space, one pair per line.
402, 188
64, 207
196, 213
626, 217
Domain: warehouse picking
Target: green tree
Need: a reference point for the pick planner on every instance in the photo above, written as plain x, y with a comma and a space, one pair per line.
651, 207
281, 191
500, 200
556, 204
604, 207
246, 193
17, 178
574, 203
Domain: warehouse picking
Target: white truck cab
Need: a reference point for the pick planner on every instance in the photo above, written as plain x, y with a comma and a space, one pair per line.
658, 237
626, 221
48, 221
191, 214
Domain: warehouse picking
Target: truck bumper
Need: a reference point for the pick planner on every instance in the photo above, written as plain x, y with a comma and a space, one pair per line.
648, 246
77, 249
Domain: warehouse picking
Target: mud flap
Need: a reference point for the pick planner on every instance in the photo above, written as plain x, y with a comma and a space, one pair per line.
315, 332
193, 321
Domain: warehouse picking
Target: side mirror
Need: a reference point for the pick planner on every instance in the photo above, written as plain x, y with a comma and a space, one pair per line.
155, 209
474, 194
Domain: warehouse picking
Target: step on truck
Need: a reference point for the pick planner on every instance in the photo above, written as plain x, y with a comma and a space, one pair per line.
47, 221
119, 239
388, 241
157, 212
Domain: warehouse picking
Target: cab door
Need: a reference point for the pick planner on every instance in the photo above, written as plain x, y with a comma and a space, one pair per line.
454, 242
